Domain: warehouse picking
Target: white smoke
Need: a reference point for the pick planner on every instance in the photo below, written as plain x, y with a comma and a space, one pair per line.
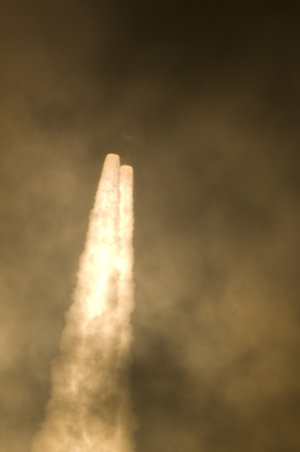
89, 409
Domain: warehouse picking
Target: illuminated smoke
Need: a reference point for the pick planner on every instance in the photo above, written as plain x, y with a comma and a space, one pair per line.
89, 409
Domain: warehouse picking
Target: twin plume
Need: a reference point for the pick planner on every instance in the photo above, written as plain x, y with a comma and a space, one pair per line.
89, 409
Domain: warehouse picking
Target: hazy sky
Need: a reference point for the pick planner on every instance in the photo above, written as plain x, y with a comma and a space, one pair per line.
202, 98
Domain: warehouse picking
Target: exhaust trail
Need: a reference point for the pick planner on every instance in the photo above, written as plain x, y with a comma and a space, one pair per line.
90, 409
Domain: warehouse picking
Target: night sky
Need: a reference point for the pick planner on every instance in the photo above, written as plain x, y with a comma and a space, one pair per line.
202, 98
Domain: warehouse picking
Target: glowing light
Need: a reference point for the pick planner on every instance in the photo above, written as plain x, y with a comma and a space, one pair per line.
89, 409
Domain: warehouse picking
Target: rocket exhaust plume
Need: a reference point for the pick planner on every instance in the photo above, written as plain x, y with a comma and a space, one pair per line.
89, 409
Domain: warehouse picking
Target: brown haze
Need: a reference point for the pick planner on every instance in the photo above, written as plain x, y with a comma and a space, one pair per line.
203, 101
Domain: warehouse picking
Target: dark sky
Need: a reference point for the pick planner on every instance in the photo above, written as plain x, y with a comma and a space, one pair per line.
202, 98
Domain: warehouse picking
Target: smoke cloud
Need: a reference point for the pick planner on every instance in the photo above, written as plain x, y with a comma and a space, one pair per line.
90, 407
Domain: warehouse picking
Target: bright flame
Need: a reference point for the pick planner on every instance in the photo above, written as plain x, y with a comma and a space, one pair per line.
89, 409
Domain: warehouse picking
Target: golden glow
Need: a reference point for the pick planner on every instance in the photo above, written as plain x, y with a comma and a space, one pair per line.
89, 409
